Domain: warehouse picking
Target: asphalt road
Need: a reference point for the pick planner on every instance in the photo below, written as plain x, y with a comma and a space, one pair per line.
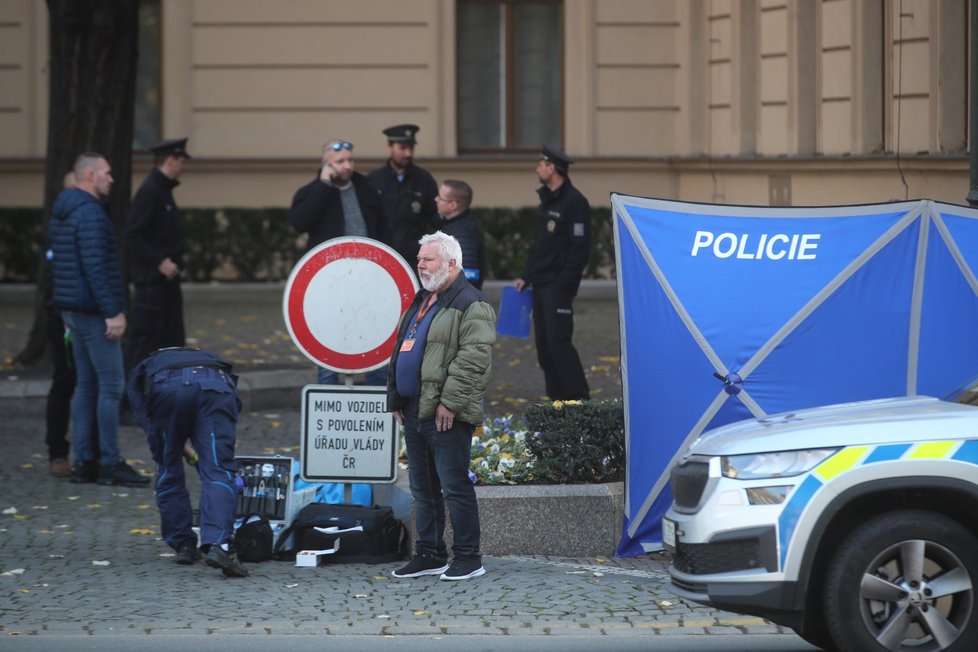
476, 643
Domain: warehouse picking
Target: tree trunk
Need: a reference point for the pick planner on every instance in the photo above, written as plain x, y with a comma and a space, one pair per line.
92, 70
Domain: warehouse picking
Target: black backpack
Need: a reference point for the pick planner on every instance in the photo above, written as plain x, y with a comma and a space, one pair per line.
253, 540
368, 535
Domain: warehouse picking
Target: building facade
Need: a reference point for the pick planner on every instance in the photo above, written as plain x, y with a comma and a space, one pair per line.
770, 102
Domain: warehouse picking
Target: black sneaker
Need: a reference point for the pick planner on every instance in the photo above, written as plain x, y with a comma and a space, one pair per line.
122, 474
218, 557
84, 472
463, 569
421, 565
188, 552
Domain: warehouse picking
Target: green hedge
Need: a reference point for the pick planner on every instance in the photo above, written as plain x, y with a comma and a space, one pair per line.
20, 244
259, 244
577, 442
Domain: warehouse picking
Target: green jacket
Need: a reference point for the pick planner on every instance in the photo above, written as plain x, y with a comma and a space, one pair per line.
457, 357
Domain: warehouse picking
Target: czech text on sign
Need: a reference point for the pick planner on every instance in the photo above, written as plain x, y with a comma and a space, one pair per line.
347, 435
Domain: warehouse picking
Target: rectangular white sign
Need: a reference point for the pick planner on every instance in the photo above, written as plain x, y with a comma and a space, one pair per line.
347, 435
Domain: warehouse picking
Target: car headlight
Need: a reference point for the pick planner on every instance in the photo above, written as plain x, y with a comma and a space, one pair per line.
781, 464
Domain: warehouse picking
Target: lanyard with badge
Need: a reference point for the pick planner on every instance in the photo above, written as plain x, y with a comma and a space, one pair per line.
409, 340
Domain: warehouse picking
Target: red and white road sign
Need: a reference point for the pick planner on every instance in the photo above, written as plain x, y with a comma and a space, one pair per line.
343, 301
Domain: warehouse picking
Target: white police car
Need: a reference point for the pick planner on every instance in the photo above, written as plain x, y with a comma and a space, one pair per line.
856, 525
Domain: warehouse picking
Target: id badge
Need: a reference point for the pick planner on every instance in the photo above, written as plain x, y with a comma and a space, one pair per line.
407, 345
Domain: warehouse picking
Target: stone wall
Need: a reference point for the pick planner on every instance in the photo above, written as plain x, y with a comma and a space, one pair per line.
578, 520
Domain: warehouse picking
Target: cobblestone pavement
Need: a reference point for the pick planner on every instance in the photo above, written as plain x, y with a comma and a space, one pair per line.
85, 559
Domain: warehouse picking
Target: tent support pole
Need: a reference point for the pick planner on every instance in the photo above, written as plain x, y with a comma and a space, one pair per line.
973, 113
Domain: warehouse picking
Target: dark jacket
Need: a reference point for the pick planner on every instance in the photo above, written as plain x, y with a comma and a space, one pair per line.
563, 238
457, 358
318, 210
409, 205
84, 255
467, 230
153, 228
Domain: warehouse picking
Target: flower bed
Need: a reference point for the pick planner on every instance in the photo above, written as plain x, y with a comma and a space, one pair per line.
554, 443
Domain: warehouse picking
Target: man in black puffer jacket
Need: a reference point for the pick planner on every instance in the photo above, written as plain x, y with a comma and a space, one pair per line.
87, 288
454, 198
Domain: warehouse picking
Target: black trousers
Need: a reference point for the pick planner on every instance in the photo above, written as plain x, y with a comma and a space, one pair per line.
155, 320
58, 406
553, 327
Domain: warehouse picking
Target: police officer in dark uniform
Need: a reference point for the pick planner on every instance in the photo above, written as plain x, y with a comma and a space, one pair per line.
554, 268
407, 191
453, 200
179, 395
155, 245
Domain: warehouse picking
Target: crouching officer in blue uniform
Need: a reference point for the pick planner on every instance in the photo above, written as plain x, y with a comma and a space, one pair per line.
179, 395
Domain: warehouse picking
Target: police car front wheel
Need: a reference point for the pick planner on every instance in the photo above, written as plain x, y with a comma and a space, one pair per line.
902, 581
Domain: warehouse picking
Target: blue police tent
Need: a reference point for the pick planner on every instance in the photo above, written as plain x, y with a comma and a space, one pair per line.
734, 312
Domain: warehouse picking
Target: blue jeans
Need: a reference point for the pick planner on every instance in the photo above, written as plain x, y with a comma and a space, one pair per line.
98, 388
438, 467
377, 377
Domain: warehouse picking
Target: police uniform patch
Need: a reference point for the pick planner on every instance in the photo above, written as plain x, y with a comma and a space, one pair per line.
579, 229
551, 225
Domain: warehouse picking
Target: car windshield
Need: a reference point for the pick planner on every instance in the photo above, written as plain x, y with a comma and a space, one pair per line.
967, 394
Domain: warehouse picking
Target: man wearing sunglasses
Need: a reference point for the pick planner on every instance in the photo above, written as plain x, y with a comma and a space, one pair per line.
340, 202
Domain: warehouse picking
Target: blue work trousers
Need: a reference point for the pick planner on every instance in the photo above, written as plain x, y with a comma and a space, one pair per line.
438, 468
200, 404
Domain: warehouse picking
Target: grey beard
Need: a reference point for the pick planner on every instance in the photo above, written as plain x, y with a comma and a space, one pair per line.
436, 280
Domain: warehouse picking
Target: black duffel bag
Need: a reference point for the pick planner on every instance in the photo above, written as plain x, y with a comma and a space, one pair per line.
368, 535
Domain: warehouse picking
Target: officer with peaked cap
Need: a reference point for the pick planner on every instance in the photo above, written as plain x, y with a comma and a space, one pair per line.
407, 191
155, 247
554, 268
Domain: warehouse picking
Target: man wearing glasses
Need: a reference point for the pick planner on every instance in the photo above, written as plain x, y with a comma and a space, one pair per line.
340, 202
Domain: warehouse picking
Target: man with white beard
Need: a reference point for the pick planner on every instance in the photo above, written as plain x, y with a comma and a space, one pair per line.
438, 376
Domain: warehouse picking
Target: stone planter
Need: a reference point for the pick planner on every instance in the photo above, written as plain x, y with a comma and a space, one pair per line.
573, 520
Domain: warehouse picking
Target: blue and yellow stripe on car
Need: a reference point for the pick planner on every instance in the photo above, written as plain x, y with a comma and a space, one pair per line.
854, 457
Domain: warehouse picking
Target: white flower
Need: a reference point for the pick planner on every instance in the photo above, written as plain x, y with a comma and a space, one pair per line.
520, 436
506, 463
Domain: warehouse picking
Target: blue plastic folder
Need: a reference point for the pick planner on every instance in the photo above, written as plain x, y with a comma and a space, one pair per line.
515, 310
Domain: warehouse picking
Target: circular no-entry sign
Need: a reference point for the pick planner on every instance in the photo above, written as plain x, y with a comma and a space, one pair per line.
343, 300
